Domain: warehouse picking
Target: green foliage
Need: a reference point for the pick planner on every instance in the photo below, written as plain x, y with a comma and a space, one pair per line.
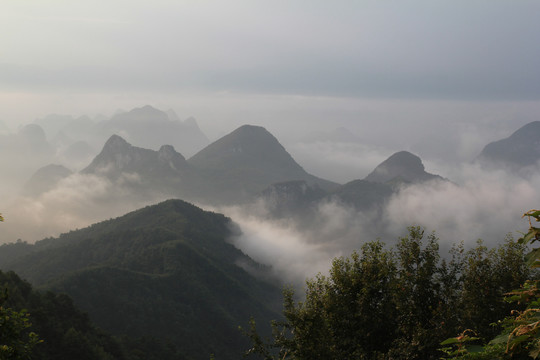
164, 272
393, 303
16, 340
520, 337
66, 332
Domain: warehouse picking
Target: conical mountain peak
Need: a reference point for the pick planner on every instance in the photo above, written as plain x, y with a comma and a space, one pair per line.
402, 166
247, 161
245, 143
116, 143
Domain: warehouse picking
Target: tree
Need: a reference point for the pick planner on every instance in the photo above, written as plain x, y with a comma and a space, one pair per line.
520, 337
345, 315
16, 342
395, 303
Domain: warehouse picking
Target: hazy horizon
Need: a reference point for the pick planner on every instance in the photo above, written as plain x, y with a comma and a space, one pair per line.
438, 79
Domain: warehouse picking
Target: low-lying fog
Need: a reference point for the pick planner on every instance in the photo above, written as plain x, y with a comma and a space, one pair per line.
476, 203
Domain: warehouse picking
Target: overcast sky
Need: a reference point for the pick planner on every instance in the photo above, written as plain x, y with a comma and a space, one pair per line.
274, 62
438, 78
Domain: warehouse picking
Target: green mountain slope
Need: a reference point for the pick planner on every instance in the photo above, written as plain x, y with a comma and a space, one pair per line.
165, 271
65, 332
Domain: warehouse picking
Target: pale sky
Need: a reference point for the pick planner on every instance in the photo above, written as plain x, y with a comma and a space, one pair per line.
438, 78
273, 62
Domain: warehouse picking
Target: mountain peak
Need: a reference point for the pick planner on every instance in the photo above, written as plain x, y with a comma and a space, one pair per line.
116, 143
519, 150
45, 179
247, 141
168, 153
247, 161
146, 109
402, 165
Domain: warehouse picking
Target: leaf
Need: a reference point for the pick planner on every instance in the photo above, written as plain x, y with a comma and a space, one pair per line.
534, 352
474, 348
518, 340
527, 237
532, 256
501, 339
450, 341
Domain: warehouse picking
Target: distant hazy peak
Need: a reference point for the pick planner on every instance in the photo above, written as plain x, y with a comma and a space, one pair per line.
253, 132
252, 129
146, 109
45, 178
530, 129
54, 169
252, 141
191, 122
116, 144
167, 152
405, 160
402, 166
172, 115
33, 131
145, 112
520, 149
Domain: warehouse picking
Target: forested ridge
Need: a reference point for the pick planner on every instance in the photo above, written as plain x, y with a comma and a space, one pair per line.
165, 271
163, 284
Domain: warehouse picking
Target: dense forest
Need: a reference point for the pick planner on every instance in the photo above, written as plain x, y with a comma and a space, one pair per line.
401, 301
165, 271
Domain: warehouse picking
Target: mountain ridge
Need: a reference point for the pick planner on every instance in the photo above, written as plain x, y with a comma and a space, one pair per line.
160, 270
519, 150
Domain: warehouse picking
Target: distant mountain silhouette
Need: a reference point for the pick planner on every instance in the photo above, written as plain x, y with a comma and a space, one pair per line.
150, 128
519, 150
22, 153
362, 194
164, 171
232, 170
290, 197
166, 271
401, 167
248, 160
119, 156
45, 179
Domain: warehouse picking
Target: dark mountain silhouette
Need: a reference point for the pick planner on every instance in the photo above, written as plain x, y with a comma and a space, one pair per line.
291, 197
163, 170
519, 150
248, 160
119, 156
299, 199
362, 194
166, 271
401, 167
65, 331
45, 179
